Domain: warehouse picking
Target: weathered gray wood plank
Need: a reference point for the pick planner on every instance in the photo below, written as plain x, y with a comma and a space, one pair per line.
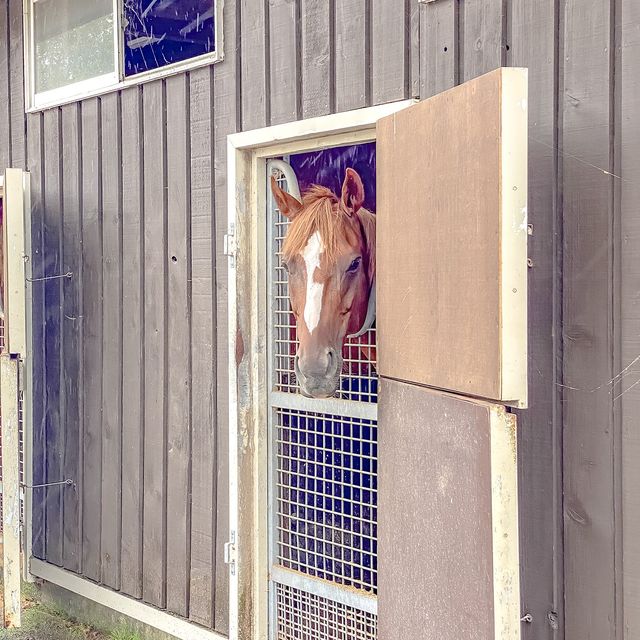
203, 309
34, 163
628, 40
52, 238
589, 513
483, 30
111, 340
11, 524
539, 427
317, 75
253, 61
390, 50
439, 47
351, 55
91, 339
16, 83
71, 330
179, 336
5, 89
155, 346
225, 121
284, 60
414, 49
133, 365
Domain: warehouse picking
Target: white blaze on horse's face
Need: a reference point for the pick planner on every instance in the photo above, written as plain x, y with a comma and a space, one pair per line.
313, 303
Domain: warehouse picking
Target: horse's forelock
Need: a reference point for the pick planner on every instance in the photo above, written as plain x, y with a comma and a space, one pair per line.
321, 213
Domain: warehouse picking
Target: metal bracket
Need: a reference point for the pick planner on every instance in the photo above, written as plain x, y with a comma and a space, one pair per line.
69, 482
231, 553
69, 274
230, 244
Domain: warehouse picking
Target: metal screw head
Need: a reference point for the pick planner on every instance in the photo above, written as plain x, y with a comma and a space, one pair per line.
527, 617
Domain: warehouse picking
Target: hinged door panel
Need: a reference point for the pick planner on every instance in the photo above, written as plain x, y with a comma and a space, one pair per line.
448, 517
452, 240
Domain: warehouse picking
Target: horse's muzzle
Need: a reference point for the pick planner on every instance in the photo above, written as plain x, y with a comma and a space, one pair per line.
321, 380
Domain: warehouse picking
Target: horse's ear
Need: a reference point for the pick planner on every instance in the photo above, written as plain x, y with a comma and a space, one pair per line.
289, 206
352, 192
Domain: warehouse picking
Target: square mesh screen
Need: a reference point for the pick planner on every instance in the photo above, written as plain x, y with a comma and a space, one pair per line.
306, 616
359, 378
324, 480
326, 492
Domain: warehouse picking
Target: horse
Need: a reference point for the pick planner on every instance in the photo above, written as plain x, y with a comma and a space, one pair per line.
330, 257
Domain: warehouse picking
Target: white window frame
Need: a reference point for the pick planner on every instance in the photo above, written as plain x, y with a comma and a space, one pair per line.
110, 81
246, 246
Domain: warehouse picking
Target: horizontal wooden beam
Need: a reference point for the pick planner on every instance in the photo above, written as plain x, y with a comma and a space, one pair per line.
134, 609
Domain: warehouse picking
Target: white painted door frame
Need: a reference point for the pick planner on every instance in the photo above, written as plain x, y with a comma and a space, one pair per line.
247, 154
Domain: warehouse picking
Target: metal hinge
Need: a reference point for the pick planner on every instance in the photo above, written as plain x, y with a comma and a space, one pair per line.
231, 553
230, 245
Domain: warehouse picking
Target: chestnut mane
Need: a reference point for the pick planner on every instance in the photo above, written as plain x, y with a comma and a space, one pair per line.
323, 212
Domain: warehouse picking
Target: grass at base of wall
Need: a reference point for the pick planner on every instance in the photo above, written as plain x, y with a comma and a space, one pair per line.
41, 621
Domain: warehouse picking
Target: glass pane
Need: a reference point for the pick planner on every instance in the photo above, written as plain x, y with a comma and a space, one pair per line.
73, 41
161, 32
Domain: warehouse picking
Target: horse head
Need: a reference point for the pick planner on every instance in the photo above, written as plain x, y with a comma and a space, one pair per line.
329, 254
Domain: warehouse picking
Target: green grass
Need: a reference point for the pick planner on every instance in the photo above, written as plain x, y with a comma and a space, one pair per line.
42, 621
46, 622
123, 633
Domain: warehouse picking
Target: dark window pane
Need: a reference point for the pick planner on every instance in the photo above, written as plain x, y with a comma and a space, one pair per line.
161, 32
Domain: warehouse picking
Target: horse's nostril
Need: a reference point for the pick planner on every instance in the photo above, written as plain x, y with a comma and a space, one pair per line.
330, 357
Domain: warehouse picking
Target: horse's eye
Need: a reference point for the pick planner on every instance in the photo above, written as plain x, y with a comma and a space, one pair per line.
353, 267
285, 266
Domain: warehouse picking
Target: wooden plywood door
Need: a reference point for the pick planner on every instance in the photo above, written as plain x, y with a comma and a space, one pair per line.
447, 517
452, 240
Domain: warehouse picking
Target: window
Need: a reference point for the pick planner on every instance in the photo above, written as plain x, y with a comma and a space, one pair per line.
85, 47
158, 33
62, 31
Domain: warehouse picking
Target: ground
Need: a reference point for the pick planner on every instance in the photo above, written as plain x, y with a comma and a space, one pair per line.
44, 622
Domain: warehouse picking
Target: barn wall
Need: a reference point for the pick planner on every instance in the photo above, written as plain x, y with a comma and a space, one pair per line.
130, 389
129, 194
458, 41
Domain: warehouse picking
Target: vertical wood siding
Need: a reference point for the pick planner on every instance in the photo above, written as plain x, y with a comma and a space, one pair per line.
132, 344
587, 209
627, 236
130, 375
532, 28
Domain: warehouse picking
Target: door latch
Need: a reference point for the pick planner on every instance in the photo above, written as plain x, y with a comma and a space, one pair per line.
231, 553
230, 244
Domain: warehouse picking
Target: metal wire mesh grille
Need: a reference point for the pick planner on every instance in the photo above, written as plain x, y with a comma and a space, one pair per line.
306, 616
326, 489
324, 480
358, 381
